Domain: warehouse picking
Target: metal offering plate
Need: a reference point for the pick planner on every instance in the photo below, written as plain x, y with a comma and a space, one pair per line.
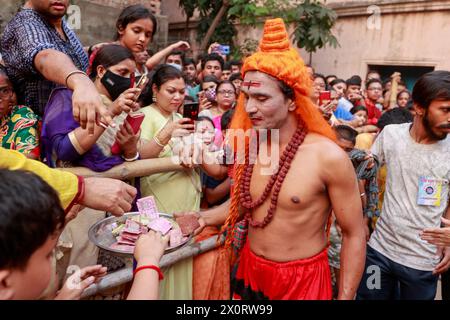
101, 233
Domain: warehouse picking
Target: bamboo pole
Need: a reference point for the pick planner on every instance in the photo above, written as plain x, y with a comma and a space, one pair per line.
128, 170
125, 275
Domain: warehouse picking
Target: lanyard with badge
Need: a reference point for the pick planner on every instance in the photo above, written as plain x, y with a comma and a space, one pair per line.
430, 191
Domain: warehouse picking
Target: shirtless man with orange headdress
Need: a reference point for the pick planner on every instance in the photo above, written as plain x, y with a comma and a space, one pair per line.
285, 254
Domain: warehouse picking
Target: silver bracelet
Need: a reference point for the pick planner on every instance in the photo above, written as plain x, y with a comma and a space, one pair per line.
136, 157
74, 72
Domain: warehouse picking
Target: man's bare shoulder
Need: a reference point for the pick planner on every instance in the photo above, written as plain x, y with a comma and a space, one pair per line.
328, 150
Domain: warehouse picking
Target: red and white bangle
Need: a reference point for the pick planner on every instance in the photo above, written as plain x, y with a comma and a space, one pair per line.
153, 267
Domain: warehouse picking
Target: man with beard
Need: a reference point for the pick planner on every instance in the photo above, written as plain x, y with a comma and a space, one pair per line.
41, 52
399, 264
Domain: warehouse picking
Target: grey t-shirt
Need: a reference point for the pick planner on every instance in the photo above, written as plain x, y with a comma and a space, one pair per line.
402, 219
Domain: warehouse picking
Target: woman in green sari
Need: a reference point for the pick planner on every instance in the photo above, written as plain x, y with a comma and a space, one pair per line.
176, 191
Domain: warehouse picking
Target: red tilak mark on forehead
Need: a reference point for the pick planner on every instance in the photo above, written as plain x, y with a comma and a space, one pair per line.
251, 84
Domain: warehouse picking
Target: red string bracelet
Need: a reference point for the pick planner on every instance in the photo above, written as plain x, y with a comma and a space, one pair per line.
157, 269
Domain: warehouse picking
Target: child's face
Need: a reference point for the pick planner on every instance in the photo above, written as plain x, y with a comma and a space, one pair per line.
206, 131
361, 115
30, 283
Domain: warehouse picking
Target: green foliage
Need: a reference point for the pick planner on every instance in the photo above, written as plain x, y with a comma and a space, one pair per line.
313, 23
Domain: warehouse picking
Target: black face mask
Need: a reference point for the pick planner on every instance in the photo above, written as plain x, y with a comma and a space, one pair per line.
115, 84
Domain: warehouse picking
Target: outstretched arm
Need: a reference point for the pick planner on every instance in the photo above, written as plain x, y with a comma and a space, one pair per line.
345, 198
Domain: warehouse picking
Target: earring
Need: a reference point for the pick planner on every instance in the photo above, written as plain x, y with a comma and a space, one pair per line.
154, 98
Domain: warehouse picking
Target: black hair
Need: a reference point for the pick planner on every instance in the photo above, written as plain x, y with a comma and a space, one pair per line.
358, 108
212, 57
394, 116
133, 13
210, 79
287, 91
188, 61
108, 56
164, 73
201, 56
225, 82
30, 212
235, 76
330, 76
205, 118
431, 86
346, 133
337, 81
225, 121
177, 53
354, 81
370, 81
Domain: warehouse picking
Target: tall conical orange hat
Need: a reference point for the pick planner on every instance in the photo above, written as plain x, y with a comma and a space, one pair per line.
277, 58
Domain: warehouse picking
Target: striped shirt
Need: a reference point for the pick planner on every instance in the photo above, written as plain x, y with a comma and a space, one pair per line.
27, 34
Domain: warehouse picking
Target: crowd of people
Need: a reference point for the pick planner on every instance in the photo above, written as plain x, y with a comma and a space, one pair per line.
361, 177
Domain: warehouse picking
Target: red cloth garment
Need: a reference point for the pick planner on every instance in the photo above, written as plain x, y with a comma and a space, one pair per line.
260, 279
373, 113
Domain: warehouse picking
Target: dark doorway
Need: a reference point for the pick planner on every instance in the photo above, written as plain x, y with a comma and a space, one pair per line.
409, 74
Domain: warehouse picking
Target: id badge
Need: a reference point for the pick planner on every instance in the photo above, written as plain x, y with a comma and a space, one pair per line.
430, 191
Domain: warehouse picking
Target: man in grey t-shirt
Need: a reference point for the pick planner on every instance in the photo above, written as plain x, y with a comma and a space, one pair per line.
399, 264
